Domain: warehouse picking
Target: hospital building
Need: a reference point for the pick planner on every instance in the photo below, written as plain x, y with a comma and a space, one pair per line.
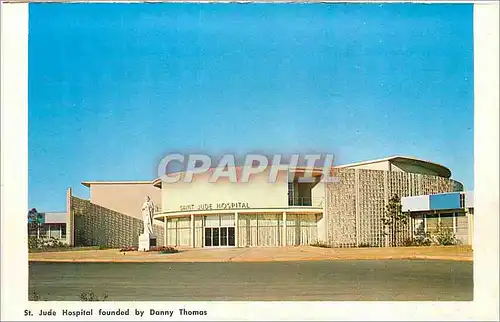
347, 212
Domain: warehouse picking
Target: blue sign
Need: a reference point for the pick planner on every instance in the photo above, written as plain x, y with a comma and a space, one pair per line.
445, 201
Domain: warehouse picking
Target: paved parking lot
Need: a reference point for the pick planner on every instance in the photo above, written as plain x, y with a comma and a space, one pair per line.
339, 280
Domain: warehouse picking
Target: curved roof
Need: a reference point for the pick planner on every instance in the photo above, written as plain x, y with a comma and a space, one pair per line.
437, 168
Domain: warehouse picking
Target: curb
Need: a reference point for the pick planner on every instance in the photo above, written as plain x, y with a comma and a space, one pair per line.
257, 260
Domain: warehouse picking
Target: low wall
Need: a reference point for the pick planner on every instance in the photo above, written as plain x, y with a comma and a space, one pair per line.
95, 225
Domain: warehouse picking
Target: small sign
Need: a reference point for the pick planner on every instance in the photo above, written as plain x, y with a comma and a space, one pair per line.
40, 218
216, 206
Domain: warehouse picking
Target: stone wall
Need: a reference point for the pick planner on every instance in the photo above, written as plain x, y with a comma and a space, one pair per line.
356, 204
95, 225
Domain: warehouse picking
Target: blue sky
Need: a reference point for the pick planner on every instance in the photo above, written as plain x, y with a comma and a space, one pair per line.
114, 87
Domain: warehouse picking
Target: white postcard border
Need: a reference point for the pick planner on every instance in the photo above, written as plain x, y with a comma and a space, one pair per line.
14, 179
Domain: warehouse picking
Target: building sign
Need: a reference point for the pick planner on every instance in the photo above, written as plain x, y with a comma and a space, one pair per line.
215, 206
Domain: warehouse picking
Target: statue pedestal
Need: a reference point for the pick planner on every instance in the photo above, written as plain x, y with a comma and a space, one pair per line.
146, 241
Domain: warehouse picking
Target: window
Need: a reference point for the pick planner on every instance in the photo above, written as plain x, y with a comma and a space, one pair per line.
54, 230
418, 225
290, 194
446, 221
432, 223
63, 231
230, 239
462, 200
215, 236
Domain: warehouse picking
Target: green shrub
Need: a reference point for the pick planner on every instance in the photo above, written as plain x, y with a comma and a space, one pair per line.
129, 249
164, 249
92, 297
422, 238
409, 242
320, 243
42, 244
33, 243
445, 236
34, 296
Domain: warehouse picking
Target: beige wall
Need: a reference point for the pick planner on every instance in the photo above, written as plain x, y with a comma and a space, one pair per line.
126, 198
318, 197
258, 192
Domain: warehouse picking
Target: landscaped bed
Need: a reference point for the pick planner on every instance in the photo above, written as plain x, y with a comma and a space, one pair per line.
160, 249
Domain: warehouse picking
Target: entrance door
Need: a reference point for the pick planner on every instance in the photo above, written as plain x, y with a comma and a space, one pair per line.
219, 230
219, 236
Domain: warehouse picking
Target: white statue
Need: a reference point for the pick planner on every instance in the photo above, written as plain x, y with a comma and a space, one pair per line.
147, 215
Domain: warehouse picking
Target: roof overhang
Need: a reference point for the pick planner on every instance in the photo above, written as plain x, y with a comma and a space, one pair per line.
89, 183
439, 169
300, 170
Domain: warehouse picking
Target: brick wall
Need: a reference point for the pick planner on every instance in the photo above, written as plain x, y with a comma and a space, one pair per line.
99, 226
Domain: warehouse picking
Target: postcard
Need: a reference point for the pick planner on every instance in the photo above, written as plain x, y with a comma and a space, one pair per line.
249, 161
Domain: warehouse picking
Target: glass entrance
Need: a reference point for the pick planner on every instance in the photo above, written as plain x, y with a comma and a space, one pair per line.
219, 230
219, 236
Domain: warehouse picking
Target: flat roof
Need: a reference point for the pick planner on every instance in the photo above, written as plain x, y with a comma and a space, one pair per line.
89, 183
282, 167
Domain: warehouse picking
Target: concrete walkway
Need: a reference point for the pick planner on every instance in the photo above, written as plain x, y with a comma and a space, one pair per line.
260, 254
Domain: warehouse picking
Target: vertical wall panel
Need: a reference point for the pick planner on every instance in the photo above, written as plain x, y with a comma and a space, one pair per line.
243, 230
341, 203
371, 208
341, 209
198, 231
268, 229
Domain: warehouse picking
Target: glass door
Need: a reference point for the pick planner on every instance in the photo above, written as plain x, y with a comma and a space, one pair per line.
219, 236
219, 231
208, 237
230, 236
215, 236
223, 236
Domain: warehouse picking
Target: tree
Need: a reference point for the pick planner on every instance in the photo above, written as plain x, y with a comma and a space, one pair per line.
394, 218
35, 222
32, 221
